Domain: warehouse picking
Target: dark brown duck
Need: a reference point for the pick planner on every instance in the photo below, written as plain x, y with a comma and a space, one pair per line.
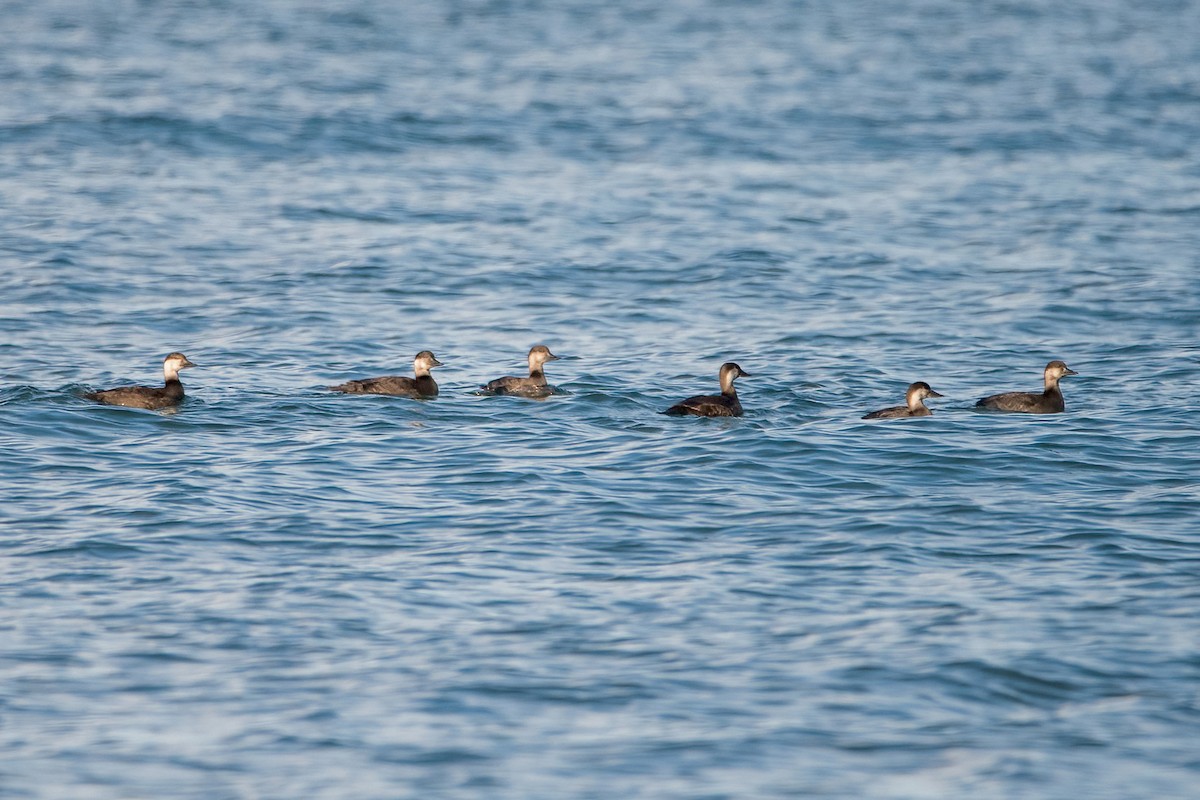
170, 394
725, 404
533, 386
914, 404
1049, 401
420, 387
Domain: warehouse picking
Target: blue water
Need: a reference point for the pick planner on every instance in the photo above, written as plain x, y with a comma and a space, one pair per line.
279, 592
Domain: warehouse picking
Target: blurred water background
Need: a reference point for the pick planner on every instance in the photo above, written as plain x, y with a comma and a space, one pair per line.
279, 592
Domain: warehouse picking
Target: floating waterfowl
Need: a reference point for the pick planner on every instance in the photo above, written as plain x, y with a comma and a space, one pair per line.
1049, 401
725, 404
170, 394
420, 387
914, 403
533, 386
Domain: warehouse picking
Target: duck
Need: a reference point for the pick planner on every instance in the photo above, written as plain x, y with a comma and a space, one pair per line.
914, 403
152, 397
420, 387
533, 386
725, 404
1049, 401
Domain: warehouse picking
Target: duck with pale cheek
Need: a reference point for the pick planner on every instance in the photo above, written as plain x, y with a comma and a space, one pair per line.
725, 404
420, 387
170, 394
1049, 401
914, 403
533, 386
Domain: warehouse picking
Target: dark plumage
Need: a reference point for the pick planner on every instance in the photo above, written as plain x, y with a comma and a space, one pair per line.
170, 394
1049, 401
725, 404
533, 386
422, 386
915, 406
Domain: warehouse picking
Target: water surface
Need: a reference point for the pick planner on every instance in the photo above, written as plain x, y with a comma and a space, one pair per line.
282, 592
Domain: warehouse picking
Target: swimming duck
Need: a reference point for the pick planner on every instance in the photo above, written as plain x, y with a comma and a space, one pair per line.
149, 396
533, 386
422, 386
725, 404
1049, 401
914, 403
